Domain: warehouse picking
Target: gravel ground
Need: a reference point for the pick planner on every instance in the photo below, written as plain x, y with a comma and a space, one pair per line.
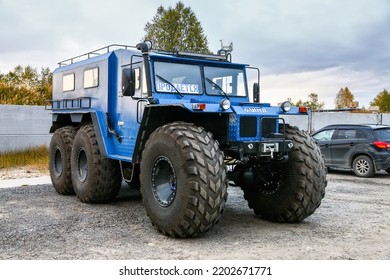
353, 222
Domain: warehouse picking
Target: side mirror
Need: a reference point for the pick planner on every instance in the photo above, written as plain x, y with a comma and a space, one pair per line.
256, 92
130, 81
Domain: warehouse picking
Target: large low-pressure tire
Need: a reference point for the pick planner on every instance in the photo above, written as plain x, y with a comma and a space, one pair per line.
363, 166
301, 187
60, 150
95, 179
183, 180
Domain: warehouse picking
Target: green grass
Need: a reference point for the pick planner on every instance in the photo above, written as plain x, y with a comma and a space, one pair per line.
37, 157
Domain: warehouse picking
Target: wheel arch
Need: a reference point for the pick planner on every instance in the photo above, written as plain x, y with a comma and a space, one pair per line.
79, 119
158, 115
61, 120
362, 154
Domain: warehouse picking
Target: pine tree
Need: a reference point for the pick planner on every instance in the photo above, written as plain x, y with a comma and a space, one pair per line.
176, 29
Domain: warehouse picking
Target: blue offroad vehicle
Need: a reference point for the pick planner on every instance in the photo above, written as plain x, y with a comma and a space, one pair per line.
181, 127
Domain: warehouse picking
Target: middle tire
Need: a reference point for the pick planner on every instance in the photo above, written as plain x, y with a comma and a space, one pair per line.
183, 180
95, 179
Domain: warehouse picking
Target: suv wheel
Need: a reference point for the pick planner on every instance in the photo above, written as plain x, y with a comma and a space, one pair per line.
363, 166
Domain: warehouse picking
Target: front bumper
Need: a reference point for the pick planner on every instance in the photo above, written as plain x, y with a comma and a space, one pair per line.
275, 149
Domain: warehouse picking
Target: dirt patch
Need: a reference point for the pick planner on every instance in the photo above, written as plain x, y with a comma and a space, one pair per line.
353, 222
22, 172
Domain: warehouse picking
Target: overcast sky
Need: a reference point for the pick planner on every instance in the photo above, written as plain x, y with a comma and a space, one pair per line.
300, 46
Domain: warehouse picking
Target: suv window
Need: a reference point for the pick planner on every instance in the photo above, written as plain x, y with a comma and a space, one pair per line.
325, 135
346, 134
382, 134
350, 134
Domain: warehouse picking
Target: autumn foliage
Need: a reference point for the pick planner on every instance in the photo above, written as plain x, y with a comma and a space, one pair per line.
25, 86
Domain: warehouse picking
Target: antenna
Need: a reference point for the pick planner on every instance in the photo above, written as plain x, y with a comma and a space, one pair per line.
225, 50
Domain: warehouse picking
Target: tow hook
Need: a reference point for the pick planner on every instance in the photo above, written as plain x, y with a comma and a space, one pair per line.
270, 148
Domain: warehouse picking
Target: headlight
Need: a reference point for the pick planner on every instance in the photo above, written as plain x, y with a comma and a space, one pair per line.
286, 106
225, 104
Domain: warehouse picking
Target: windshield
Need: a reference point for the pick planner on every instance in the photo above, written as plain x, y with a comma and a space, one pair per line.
231, 81
187, 79
174, 77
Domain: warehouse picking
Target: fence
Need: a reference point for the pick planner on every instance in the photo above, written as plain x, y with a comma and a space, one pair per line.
317, 120
23, 127
28, 126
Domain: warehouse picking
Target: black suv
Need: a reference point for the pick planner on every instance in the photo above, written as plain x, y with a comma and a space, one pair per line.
363, 148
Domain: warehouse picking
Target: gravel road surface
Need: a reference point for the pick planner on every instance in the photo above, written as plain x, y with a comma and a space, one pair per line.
353, 222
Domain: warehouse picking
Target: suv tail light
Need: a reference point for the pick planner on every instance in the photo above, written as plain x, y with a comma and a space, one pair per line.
382, 145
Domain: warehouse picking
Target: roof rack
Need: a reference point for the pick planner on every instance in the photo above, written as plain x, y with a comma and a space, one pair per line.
220, 57
97, 52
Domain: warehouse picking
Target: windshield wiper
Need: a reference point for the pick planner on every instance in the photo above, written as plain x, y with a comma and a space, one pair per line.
169, 83
217, 86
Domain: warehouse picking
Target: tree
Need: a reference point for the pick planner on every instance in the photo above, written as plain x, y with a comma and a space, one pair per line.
25, 86
344, 98
383, 101
176, 29
313, 103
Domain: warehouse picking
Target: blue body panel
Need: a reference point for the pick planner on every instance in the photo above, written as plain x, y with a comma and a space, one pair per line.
117, 118
105, 101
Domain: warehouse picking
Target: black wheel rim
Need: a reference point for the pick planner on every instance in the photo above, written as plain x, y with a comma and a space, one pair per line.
82, 165
163, 181
58, 167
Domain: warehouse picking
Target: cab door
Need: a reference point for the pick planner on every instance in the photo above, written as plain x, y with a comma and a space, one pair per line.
131, 103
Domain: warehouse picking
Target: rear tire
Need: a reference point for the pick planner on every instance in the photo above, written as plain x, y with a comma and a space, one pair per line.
301, 185
363, 167
183, 180
95, 179
59, 159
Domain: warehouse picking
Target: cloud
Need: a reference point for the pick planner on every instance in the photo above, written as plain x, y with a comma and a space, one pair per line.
364, 85
301, 46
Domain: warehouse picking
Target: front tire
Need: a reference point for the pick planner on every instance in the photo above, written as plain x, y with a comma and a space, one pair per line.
301, 185
183, 180
95, 179
60, 150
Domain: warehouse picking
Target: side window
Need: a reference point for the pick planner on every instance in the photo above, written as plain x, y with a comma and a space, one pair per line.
325, 135
361, 135
68, 82
346, 134
91, 78
144, 86
137, 84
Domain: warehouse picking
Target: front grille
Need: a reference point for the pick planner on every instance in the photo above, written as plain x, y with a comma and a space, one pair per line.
248, 126
268, 126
